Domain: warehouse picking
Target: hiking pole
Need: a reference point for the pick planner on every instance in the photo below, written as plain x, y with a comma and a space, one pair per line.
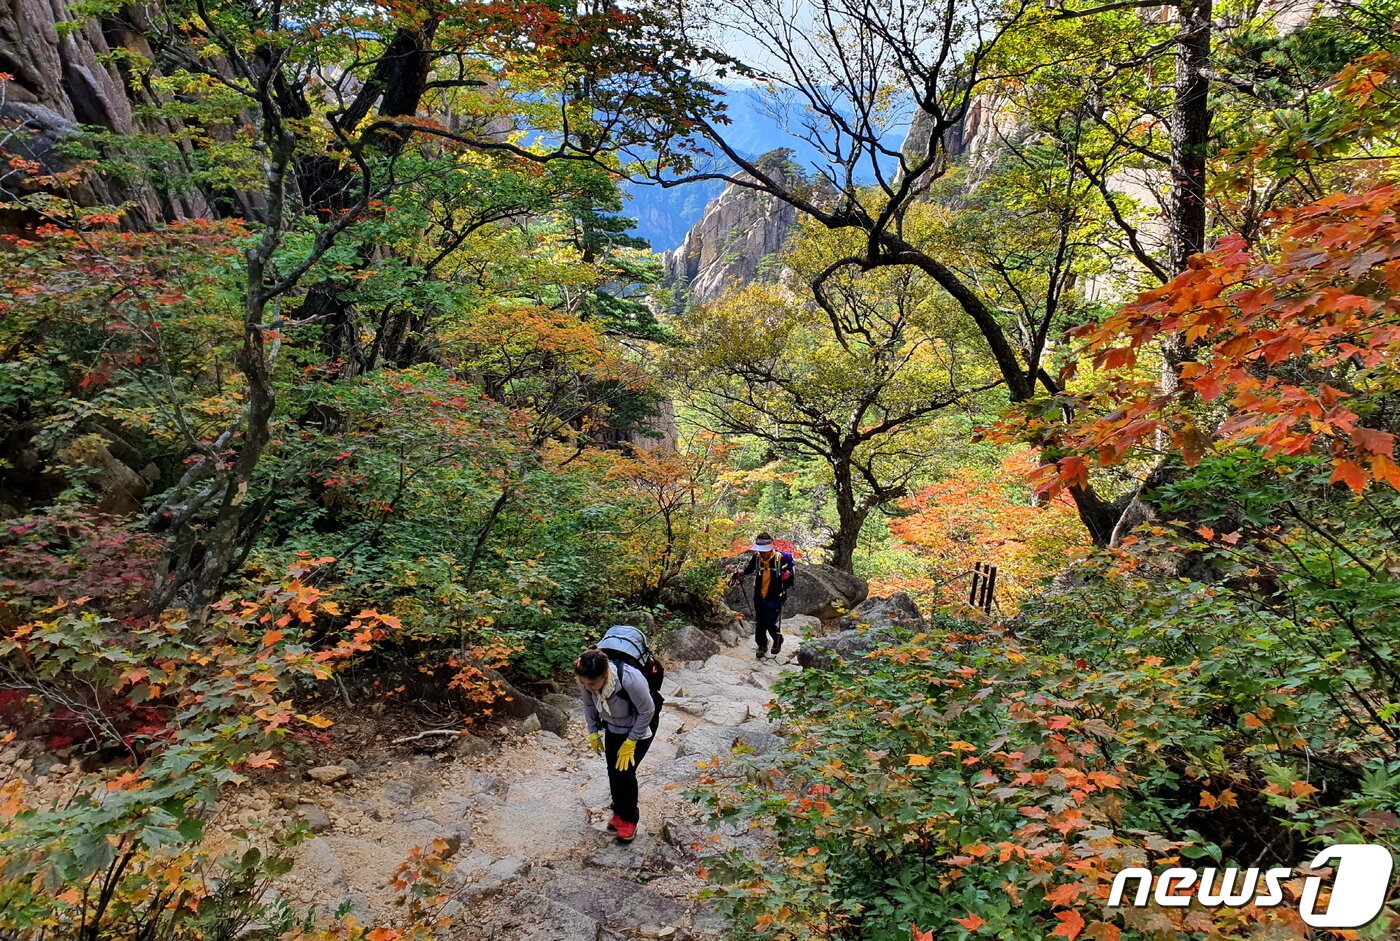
780, 632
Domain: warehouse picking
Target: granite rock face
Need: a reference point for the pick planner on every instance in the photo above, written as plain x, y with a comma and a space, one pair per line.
976, 140
898, 610
873, 624
63, 79
740, 229
847, 647
690, 643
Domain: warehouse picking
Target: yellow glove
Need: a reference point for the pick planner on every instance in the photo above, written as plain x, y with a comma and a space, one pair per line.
626, 755
595, 742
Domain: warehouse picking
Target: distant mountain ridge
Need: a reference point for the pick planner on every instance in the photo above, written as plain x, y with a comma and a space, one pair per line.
664, 216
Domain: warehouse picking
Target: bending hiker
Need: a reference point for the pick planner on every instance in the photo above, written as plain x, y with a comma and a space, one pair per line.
774, 575
621, 717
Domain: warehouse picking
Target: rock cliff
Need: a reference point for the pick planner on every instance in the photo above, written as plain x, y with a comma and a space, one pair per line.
975, 141
64, 78
739, 231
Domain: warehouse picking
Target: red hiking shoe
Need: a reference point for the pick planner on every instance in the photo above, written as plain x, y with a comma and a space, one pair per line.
614, 823
626, 831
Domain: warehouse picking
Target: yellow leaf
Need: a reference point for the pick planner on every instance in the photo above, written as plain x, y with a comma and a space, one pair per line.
321, 722
920, 761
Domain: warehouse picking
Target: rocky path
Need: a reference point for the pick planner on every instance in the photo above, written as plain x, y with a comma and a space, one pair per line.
531, 857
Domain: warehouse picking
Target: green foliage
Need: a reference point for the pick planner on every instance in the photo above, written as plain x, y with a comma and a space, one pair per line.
116, 343
547, 647
397, 350
970, 778
413, 349
849, 388
1219, 686
959, 776
427, 495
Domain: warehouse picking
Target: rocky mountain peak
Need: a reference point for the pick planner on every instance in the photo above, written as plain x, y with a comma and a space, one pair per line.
738, 231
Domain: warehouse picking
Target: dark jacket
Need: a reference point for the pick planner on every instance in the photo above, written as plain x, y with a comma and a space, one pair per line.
780, 564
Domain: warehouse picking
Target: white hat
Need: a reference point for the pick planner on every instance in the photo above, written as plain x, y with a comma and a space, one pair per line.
762, 545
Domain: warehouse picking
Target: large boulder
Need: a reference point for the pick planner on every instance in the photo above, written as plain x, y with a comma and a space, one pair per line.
817, 590
826, 653
689, 643
874, 623
119, 488
898, 610
804, 625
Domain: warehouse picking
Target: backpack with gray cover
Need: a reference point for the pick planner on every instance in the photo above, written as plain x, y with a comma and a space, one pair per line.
624, 643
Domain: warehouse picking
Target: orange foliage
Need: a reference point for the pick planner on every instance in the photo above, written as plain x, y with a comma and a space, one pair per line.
511, 344
984, 516
1319, 291
677, 499
473, 669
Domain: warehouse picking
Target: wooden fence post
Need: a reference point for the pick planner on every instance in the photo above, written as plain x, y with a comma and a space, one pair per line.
984, 586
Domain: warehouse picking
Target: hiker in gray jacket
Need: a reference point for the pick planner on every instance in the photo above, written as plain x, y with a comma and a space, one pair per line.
621, 716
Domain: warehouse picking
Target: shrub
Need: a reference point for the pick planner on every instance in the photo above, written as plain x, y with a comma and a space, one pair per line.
127, 856
972, 784
67, 552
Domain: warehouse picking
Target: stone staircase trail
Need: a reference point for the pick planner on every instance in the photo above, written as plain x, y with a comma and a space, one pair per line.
531, 857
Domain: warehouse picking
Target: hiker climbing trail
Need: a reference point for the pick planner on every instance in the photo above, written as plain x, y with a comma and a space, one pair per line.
531, 858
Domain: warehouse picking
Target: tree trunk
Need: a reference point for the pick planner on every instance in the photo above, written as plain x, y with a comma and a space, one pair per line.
1186, 216
1190, 136
484, 534
399, 82
195, 558
1098, 515
850, 514
225, 536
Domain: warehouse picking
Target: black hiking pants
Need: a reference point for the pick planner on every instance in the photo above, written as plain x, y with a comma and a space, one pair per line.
623, 784
767, 617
